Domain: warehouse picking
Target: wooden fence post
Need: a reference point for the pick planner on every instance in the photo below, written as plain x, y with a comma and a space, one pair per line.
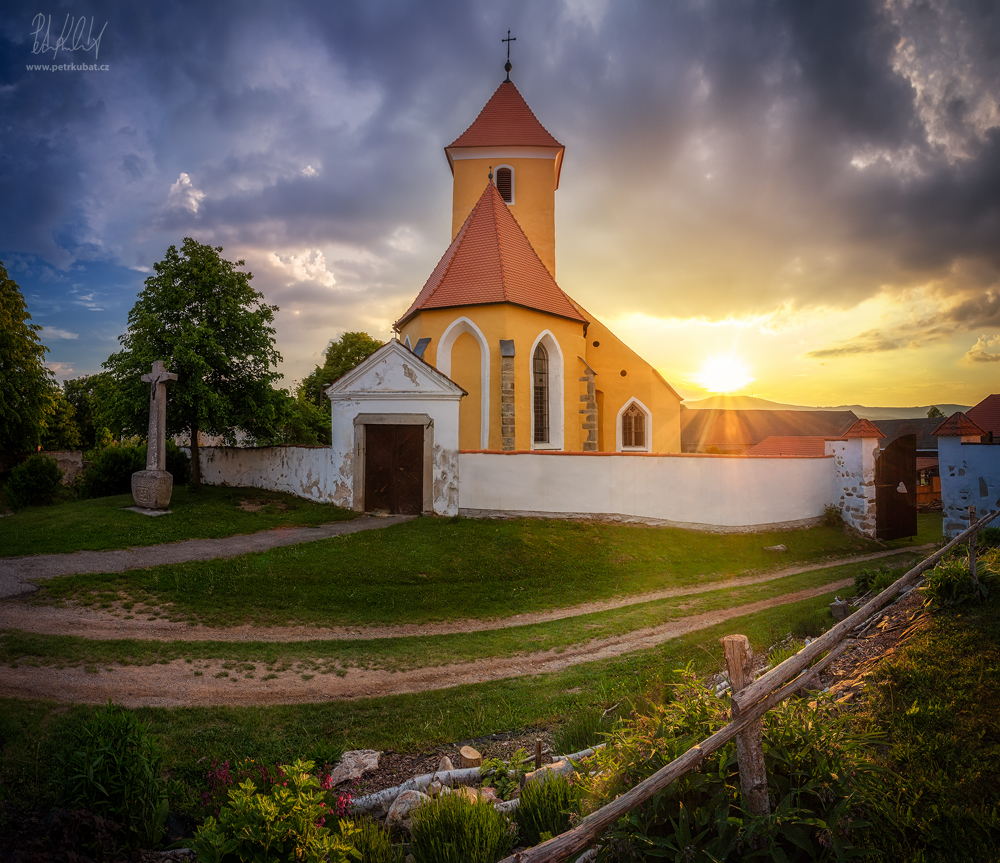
749, 749
973, 569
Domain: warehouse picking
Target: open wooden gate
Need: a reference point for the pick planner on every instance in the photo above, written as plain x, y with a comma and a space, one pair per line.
896, 489
394, 468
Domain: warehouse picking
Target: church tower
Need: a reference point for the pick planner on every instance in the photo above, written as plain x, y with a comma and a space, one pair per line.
525, 160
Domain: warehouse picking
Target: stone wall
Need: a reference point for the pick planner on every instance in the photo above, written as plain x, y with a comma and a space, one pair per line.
853, 481
301, 470
970, 476
70, 463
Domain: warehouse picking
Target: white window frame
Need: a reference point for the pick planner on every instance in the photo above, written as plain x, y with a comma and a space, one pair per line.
557, 408
648, 430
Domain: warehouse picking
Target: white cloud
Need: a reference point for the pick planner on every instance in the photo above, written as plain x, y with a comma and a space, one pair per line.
309, 171
55, 333
184, 194
308, 266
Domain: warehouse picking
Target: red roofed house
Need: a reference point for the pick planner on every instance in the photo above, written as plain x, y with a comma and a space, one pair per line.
540, 372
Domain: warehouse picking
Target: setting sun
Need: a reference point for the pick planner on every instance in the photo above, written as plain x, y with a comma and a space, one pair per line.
724, 373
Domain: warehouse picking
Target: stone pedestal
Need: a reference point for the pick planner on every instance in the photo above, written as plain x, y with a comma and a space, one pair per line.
151, 489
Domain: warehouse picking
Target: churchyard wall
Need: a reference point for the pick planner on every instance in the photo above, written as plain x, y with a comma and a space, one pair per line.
709, 492
305, 471
970, 476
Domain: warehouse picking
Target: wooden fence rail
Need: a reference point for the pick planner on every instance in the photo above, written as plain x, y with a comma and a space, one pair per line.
748, 706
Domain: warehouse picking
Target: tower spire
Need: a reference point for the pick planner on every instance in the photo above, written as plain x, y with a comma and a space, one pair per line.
507, 67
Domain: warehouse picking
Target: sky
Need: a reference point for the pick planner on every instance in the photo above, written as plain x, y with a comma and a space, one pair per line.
802, 196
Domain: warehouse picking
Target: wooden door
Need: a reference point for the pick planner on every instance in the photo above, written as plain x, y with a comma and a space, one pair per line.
394, 468
896, 489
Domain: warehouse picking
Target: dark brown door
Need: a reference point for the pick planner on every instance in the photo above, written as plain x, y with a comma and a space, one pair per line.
896, 489
394, 468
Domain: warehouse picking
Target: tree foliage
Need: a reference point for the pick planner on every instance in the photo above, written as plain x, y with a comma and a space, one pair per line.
341, 356
61, 431
90, 396
934, 413
25, 384
200, 315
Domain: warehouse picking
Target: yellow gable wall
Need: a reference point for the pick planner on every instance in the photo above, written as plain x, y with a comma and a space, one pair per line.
609, 358
465, 371
506, 321
534, 198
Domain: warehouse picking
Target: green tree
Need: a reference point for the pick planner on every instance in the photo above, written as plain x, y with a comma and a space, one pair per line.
935, 413
341, 356
200, 315
302, 423
90, 395
61, 431
25, 384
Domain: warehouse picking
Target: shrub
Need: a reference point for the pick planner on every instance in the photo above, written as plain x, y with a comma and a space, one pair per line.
33, 482
373, 843
989, 537
112, 767
833, 516
544, 810
505, 776
111, 471
285, 824
454, 829
820, 782
875, 579
950, 582
581, 731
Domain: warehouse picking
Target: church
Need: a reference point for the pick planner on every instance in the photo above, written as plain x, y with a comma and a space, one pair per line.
530, 369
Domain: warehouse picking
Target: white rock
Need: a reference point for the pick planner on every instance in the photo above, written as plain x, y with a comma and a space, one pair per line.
354, 763
400, 817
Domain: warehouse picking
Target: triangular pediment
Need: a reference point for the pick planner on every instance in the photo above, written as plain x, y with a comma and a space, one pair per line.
394, 371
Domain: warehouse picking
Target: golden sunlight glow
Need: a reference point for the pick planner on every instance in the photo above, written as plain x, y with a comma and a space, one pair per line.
724, 373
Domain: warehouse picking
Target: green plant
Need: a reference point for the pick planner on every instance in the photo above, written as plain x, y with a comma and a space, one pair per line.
821, 783
833, 516
505, 776
112, 767
454, 829
285, 824
33, 482
989, 537
545, 809
581, 731
373, 842
875, 579
950, 582
111, 471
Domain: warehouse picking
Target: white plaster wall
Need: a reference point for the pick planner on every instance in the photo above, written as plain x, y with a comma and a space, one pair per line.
304, 471
853, 481
701, 491
970, 476
444, 413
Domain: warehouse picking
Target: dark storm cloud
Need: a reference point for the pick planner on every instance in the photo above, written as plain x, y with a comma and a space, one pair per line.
723, 158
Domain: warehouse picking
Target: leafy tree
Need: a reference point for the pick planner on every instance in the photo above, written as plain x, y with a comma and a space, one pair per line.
935, 413
341, 356
90, 395
200, 316
302, 422
25, 384
61, 431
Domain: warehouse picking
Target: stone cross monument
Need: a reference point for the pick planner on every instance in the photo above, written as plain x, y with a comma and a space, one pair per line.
151, 488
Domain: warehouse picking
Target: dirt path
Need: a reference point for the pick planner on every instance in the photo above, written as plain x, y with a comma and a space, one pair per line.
15, 572
176, 684
105, 626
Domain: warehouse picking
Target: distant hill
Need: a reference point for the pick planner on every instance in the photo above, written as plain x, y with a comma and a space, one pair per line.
749, 403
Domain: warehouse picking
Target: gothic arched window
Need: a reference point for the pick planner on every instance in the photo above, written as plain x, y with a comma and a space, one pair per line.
633, 427
505, 184
540, 394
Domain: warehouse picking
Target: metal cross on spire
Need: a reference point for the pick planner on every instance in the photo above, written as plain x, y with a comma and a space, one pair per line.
507, 67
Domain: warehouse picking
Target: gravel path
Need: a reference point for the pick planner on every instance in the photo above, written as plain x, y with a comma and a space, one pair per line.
15, 572
180, 684
105, 626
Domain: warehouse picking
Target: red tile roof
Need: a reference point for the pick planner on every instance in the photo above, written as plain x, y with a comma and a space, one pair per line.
491, 261
958, 425
863, 429
506, 121
986, 414
806, 445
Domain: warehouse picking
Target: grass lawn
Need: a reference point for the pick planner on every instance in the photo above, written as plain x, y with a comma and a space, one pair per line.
445, 569
938, 701
398, 654
192, 737
104, 522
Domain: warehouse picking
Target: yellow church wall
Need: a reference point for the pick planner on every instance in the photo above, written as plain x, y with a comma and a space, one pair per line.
465, 371
534, 198
609, 358
506, 321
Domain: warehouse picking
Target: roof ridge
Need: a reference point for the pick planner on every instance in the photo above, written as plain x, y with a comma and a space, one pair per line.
498, 201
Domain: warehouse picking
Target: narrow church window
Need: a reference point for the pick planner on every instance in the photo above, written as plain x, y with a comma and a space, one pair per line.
540, 378
505, 184
633, 427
